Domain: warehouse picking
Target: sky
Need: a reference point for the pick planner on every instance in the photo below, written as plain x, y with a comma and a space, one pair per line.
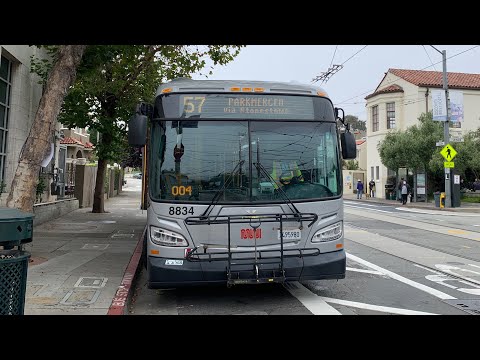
360, 74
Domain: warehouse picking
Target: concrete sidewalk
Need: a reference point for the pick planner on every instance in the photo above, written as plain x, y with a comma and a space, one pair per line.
78, 260
465, 207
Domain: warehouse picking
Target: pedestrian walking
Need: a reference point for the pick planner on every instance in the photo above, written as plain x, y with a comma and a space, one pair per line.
371, 187
359, 189
399, 190
404, 192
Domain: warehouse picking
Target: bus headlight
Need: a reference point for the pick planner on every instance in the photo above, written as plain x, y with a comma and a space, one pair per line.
166, 238
330, 233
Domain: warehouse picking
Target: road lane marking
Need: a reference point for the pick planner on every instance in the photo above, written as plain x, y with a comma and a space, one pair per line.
386, 309
314, 303
441, 278
400, 278
361, 207
436, 212
365, 271
456, 231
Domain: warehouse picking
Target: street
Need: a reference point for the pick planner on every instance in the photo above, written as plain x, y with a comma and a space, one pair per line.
402, 261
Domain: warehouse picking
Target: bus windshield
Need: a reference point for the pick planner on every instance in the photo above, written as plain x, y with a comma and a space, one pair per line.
192, 160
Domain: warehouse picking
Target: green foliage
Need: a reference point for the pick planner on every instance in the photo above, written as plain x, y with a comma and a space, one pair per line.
41, 187
350, 165
112, 79
471, 199
413, 148
355, 122
41, 66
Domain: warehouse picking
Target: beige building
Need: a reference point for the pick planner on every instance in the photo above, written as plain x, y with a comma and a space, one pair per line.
361, 154
400, 98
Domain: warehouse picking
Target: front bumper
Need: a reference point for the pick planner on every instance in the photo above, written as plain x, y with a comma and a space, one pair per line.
323, 266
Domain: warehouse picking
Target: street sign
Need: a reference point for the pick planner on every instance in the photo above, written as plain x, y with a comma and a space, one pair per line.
448, 152
440, 143
449, 164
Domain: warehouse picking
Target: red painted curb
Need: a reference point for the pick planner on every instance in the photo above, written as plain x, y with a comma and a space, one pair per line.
119, 302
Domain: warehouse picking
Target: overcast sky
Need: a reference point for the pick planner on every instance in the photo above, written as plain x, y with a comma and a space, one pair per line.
360, 75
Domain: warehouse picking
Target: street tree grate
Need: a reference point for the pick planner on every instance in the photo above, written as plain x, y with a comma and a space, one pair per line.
471, 306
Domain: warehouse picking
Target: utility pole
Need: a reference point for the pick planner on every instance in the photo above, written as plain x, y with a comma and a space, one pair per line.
446, 128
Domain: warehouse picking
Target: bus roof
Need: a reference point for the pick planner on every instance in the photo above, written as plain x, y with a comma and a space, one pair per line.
185, 85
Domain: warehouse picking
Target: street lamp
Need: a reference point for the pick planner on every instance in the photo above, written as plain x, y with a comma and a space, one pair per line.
446, 125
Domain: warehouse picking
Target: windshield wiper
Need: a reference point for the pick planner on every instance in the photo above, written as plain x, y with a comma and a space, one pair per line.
290, 203
219, 192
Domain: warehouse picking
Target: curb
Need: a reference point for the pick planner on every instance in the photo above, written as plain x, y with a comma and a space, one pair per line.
125, 289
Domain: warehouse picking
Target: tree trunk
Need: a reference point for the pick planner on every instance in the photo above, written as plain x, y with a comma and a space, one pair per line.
98, 196
60, 78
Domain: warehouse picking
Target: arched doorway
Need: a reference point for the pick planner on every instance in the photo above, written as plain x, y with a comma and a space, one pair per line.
79, 154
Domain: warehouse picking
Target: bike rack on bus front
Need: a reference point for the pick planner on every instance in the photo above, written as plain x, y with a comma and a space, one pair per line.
234, 277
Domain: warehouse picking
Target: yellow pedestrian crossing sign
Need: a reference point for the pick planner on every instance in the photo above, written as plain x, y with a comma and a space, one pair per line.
449, 164
448, 152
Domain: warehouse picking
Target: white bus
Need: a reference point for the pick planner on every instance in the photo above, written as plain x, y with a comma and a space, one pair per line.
243, 182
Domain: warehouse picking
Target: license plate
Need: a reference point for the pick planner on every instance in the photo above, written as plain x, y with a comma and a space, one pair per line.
173, 262
292, 234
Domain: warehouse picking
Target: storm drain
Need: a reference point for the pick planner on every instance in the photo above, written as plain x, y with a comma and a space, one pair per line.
471, 306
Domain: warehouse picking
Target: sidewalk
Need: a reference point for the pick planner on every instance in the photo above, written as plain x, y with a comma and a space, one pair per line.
78, 260
465, 207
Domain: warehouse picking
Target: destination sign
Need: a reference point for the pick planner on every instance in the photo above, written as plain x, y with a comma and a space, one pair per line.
244, 106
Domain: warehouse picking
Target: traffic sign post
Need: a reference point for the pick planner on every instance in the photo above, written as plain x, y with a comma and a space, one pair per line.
448, 152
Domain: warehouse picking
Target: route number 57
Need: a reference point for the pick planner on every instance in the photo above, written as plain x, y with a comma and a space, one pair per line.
193, 104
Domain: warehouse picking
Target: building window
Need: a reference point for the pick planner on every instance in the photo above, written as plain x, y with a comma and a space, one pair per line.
391, 115
375, 118
378, 172
5, 85
372, 173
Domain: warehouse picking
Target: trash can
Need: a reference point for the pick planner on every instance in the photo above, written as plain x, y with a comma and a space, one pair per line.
436, 196
16, 229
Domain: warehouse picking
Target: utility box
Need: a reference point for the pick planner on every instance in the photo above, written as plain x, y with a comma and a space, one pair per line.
455, 186
16, 227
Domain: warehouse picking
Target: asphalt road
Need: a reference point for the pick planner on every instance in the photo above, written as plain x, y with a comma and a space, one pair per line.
399, 261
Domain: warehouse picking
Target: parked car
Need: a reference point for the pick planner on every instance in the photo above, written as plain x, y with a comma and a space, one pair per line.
137, 176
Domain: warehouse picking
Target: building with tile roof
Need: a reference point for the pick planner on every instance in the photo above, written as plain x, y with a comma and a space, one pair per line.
401, 97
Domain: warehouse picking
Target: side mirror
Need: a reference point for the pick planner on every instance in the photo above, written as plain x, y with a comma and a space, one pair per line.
137, 130
349, 146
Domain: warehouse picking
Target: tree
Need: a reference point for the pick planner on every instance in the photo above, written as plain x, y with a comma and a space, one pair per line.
350, 165
355, 123
59, 79
113, 79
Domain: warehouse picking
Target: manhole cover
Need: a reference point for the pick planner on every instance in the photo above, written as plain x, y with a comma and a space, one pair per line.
471, 306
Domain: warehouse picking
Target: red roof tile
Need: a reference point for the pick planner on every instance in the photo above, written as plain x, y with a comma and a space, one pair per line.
435, 79
88, 145
70, 141
389, 89
360, 142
